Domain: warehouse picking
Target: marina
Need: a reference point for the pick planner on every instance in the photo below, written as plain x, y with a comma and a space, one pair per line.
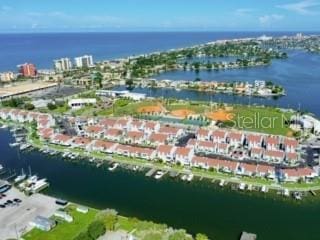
210, 198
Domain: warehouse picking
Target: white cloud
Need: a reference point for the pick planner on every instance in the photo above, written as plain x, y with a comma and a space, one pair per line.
304, 7
243, 11
269, 19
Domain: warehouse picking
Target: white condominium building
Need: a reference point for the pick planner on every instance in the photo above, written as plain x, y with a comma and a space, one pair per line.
84, 61
63, 64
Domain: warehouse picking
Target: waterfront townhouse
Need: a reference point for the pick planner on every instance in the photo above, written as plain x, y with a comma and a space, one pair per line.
123, 123
144, 153
192, 143
246, 169
272, 143
223, 148
184, 155
206, 147
81, 142
113, 134
166, 152
22, 116
205, 162
151, 127
95, 131
256, 153
235, 139
13, 115
266, 171
275, 156
203, 135
137, 125
45, 121
33, 116
292, 157
5, 113
294, 175
103, 146
156, 139
290, 145
107, 123
46, 133
138, 152
173, 132
134, 137
254, 141
219, 136
62, 139
228, 166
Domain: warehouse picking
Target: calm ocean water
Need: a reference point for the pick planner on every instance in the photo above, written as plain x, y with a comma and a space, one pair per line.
299, 74
42, 48
198, 207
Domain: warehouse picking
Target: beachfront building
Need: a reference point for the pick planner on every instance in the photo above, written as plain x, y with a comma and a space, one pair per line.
27, 70
62, 64
296, 174
85, 61
75, 104
166, 153
6, 77
219, 136
103, 146
184, 155
113, 134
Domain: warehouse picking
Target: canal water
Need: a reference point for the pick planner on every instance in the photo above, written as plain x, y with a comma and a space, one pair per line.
198, 207
299, 75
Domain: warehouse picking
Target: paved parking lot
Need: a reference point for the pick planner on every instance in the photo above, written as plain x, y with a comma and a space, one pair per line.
14, 220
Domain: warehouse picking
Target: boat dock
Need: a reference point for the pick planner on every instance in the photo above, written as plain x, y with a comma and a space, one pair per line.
151, 172
248, 236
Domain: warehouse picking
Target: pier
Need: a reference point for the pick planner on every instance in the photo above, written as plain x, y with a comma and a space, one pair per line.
151, 172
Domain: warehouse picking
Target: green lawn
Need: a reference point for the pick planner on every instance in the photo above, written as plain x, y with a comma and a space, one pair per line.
64, 230
262, 119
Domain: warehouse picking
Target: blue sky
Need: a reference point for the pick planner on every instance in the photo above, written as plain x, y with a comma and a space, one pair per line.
159, 15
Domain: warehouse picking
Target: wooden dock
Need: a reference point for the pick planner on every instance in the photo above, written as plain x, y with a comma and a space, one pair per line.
151, 172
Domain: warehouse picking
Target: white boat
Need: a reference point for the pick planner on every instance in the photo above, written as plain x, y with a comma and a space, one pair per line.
221, 184
20, 178
24, 146
4, 126
190, 177
15, 144
297, 195
286, 192
242, 186
1, 167
113, 167
135, 168
264, 189
159, 174
184, 177
250, 187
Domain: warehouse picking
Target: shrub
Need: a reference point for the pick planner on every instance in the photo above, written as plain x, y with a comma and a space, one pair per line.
96, 229
83, 236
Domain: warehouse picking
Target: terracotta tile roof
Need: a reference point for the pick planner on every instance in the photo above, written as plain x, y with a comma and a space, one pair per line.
219, 134
290, 142
272, 140
169, 130
273, 153
137, 123
192, 142
107, 122
261, 168
298, 172
183, 151
62, 138
252, 138
81, 141
256, 151
94, 129
249, 167
135, 135
206, 144
150, 125
103, 144
235, 136
292, 156
203, 132
158, 137
165, 149
112, 132
46, 133
223, 146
